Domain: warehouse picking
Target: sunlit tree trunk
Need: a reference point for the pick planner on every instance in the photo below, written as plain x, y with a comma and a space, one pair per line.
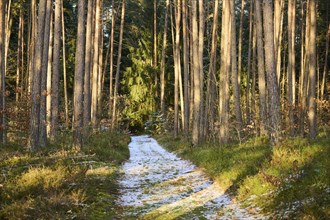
201, 31
43, 85
2, 67
88, 60
162, 76
100, 64
272, 82
49, 78
234, 73
210, 107
224, 73
291, 63
312, 70
247, 101
56, 69
261, 70
155, 36
278, 29
32, 42
114, 119
111, 57
302, 81
79, 78
185, 66
95, 71
196, 72
20, 58
325, 67
240, 40
36, 80
65, 84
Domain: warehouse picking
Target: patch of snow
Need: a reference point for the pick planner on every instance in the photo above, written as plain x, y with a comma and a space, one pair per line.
157, 182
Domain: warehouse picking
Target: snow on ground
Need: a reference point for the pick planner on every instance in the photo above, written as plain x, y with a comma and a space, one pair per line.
156, 184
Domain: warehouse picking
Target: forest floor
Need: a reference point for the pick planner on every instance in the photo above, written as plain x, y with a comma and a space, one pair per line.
156, 184
289, 181
58, 183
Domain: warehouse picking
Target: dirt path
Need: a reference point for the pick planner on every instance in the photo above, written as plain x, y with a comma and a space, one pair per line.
156, 184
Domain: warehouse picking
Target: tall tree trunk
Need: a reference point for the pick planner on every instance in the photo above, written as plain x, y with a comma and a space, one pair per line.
210, 107
272, 82
291, 63
100, 75
240, 39
43, 85
162, 76
79, 78
224, 72
234, 74
95, 73
2, 67
261, 70
56, 70
32, 42
247, 101
114, 119
185, 67
201, 67
325, 67
111, 57
312, 70
155, 36
66, 102
278, 29
49, 78
88, 60
20, 45
36, 80
302, 86
177, 64
196, 72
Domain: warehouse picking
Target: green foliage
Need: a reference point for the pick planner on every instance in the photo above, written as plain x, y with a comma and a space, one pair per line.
58, 183
139, 86
291, 180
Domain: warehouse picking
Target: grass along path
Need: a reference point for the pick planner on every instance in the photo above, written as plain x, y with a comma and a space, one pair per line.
157, 184
57, 183
289, 181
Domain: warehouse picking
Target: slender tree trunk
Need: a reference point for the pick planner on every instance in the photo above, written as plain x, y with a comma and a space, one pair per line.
2, 67
43, 85
177, 64
325, 67
32, 43
261, 70
20, 43
36, 80
196, 72
211, 83
79, 78
185, 67
162, 76
240, 39
278, 27
234, 74
224, 72
201, 67
302, 95
49, 78
272, 82
95, 73
88, 60
247, 101
291, 62
66, 102
111, 57
312, 71
114, 118
100, 75
56, 70
254, 106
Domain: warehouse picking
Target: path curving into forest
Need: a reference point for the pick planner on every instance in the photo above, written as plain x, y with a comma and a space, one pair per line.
156, 184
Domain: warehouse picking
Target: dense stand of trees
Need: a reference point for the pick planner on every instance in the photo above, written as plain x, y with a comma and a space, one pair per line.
214, 70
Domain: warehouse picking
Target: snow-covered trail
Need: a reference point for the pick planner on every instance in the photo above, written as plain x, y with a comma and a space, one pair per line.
157, 184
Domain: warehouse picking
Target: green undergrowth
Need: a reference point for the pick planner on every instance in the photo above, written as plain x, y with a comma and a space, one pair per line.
58, 183
291, 180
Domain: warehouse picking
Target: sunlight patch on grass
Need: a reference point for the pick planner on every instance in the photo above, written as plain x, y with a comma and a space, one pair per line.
180, 207
101, 171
